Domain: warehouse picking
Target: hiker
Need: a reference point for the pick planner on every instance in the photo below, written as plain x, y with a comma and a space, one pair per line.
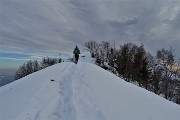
76, 53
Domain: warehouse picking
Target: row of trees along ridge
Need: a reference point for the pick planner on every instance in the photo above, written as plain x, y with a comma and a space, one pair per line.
159, 74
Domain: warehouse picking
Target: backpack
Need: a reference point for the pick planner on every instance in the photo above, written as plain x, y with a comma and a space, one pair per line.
75, 51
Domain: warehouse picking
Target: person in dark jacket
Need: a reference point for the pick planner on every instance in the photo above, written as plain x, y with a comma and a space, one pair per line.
76, 53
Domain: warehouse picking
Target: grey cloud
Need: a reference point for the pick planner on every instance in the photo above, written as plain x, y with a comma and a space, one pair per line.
120, 25
55, 25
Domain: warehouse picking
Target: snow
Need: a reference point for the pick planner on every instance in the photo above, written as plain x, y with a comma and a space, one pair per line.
81, 92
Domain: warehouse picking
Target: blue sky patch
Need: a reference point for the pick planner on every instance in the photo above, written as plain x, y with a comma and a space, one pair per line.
13, 55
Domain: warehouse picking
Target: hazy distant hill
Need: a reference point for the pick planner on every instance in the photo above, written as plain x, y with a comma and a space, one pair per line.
6, 78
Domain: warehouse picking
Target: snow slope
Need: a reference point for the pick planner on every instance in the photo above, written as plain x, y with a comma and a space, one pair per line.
81, 92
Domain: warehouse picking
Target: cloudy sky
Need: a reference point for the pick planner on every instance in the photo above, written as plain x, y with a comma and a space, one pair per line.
30, 29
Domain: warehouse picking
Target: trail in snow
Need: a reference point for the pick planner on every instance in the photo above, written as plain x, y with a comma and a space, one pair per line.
85, 96
71, 88
66, 106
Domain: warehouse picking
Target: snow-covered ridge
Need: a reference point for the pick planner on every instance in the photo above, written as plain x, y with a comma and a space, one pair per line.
81, 92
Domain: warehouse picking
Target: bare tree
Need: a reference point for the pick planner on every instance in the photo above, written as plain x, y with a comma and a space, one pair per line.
166, 60
27, 68
93, 47
47, 61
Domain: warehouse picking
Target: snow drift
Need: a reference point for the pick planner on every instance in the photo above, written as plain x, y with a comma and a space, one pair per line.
81, 92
